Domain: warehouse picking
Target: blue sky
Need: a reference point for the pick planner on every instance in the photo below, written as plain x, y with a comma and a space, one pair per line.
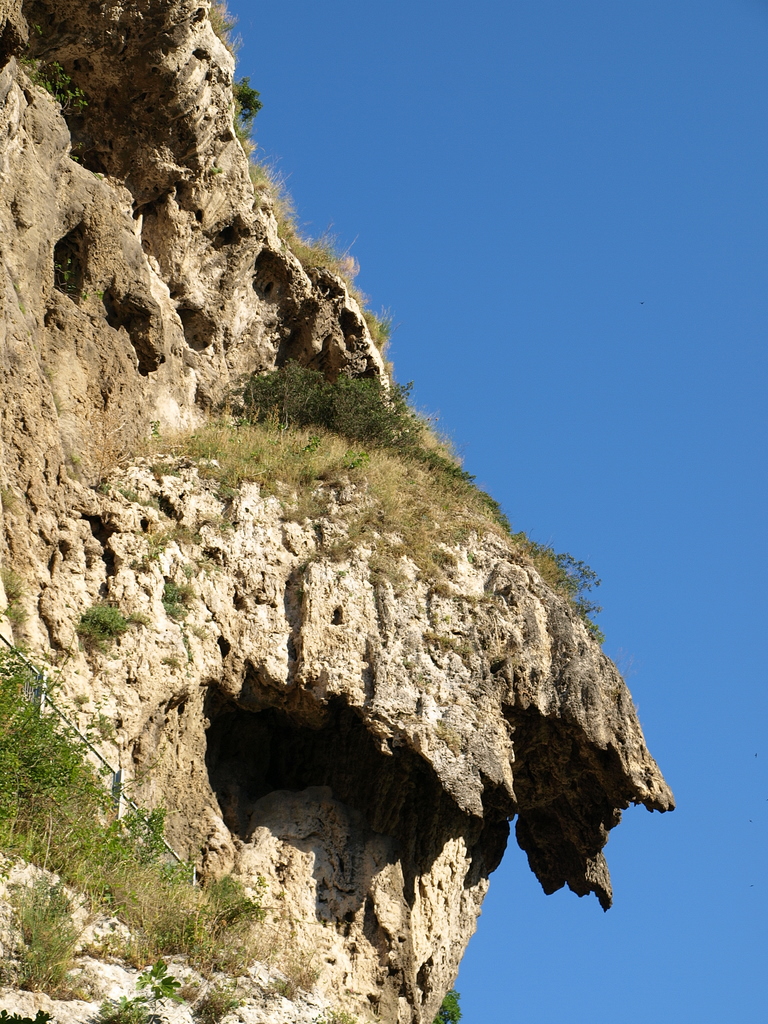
564, 204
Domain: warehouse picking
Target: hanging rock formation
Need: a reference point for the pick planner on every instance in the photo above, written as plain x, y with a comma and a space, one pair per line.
364, 750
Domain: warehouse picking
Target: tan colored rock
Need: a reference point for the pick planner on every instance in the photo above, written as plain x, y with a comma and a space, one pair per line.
362, 748
362, 751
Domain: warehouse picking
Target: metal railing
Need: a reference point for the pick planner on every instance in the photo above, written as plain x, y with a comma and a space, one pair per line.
38, 693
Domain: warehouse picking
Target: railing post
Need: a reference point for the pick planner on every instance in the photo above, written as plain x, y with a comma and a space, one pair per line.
117, 792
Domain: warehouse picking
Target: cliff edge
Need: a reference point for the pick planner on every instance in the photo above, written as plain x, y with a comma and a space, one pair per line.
360, 737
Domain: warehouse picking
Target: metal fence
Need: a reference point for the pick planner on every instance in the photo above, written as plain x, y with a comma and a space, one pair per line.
36, 691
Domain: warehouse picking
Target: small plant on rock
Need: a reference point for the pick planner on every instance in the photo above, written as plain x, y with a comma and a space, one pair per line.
100, 625
154, 984
123, 1011
15, 588
450, 1011
217, 1002
176, 599
48, 934
54, 79
337, 1017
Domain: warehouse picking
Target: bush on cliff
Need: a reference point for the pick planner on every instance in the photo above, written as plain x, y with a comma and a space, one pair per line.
450, 1011
294, 426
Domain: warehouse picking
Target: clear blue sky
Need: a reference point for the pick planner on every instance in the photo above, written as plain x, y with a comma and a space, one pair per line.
565, 205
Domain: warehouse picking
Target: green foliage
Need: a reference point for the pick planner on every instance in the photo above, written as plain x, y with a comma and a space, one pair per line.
15, 588
55, 810
177, 598
65, 273
217, 1002
450, 1011
124, 1011
39, 768
336, 1017
54, 79
359, 409
41, 1017
101, 624
247, 106
571, 578
49, 937
145, 831
160, 983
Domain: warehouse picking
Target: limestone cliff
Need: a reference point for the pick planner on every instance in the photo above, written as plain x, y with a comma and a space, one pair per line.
362, 746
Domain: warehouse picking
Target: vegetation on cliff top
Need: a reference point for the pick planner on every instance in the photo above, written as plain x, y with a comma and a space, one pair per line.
305, 440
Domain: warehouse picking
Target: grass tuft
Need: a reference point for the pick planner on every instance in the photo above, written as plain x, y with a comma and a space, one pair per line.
48, 935
15, 589
100, 625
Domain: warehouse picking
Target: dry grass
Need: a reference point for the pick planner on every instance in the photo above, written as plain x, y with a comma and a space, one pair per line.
106, 445
418, 507
223, 24
322, 252
400, 507
15, 589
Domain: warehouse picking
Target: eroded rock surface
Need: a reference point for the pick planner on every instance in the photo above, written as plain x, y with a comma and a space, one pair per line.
362, 747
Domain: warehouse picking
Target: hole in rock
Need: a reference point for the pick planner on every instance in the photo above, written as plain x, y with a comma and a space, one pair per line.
338, 616
199, 329
132, 313
351, 325
68, 260
270, 275
102, 532
256, 760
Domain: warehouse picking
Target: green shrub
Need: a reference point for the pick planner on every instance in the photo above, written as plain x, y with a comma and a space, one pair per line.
450, 1011
40, 769
177, 598
217, 1002
15, 588
159, 983
123, 1011
101, 624
336, 1017
359, 409
54, 79
41, 1017
247, 106
48, 935
571, 578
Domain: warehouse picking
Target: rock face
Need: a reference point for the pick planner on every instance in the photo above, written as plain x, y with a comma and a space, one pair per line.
363, 747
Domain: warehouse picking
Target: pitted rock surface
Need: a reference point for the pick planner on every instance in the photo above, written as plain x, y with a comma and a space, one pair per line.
362, 745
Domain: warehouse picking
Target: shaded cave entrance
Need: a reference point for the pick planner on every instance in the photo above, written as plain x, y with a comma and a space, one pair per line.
252, 754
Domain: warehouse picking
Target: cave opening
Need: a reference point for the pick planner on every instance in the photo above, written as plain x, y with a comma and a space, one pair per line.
253, 757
